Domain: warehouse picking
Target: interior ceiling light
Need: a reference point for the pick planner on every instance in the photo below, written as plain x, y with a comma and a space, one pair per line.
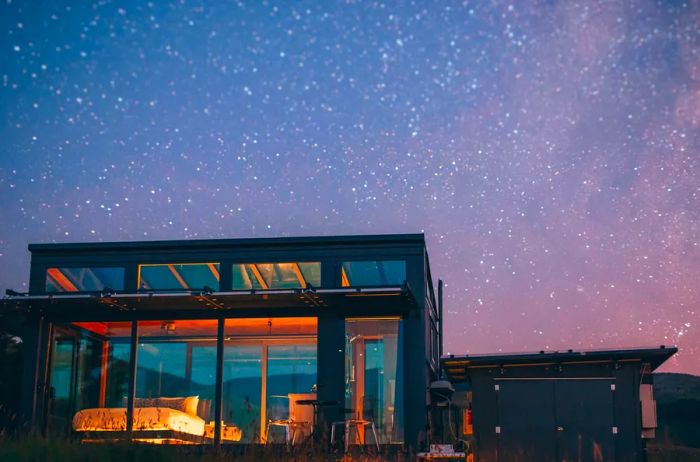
168, 327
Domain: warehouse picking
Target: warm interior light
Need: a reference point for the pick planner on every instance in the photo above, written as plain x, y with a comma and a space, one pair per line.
61, 279
248, 327
177, 276
345, 281
297, 273
256, 272
214, 271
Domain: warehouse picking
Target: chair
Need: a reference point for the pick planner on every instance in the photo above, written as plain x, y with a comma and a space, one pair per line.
298, 421
361, 420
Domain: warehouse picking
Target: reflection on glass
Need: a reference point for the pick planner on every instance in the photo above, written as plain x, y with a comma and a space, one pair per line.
373, 273
176, 379
273, 354
84, 279
374, 374
60, 391
290, 369
88, 373
292, 275
242, 388
188, 276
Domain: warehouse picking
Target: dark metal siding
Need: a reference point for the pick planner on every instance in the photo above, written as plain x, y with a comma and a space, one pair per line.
576, 397
526, 421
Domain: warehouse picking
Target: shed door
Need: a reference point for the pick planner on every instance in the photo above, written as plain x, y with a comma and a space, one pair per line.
527, 421
562, 420
584, 414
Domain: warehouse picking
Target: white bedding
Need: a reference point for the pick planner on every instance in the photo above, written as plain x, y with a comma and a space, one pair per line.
145, 418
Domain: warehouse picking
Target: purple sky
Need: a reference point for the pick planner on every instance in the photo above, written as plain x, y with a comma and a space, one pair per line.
548, 150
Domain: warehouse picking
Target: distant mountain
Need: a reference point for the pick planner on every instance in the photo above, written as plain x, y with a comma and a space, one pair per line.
673, 387
678, 409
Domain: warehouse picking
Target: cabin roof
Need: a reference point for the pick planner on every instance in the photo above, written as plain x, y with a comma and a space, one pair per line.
300, 241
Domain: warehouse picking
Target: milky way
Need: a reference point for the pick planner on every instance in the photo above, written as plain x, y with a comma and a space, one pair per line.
550, 151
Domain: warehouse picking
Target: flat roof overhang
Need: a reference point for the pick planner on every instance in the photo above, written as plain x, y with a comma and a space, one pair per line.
458, 367
397, 298
218, 244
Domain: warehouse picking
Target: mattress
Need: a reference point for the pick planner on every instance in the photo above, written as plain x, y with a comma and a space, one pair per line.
145, 418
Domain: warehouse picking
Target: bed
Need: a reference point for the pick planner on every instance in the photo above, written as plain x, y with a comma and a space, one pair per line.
156, 420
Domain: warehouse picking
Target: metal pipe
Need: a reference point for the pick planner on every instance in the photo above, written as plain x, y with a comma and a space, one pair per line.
440, 284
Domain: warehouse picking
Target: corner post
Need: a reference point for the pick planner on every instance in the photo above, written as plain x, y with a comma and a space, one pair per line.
133, 356
219, 394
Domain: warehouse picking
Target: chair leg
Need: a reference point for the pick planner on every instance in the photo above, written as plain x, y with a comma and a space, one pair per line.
347, 436
267, 434
332, 434
374, 433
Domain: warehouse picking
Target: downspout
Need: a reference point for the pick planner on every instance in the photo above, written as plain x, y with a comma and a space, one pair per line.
440, 284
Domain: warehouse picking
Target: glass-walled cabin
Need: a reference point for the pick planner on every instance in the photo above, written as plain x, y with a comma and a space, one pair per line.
252, 341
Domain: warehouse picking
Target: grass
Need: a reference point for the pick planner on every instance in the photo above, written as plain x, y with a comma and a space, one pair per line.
663, 453
39, 449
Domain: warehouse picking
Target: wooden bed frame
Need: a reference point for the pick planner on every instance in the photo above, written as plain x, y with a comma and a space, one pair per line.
142, 436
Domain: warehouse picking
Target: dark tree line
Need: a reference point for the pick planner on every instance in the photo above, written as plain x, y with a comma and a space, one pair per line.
10, 372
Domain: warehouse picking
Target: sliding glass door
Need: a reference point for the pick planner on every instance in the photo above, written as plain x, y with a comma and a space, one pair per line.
89, 369
242, 399
266, 360
374, 375
62, 386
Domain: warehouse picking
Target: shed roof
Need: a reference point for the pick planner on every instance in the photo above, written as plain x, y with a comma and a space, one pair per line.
457, 367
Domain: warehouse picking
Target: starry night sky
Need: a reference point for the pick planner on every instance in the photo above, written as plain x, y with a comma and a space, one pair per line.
550, 151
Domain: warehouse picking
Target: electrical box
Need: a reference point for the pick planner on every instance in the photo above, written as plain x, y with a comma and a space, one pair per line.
646, 396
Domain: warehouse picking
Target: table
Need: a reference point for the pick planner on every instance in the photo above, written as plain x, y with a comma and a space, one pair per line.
317, 404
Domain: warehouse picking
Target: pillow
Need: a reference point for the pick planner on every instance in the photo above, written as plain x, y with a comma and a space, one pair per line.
188, 405
145, 402
141, 402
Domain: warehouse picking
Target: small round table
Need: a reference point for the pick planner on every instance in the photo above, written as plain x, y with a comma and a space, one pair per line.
317, 404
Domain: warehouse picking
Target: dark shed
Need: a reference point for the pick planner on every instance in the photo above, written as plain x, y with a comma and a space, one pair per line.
557, 406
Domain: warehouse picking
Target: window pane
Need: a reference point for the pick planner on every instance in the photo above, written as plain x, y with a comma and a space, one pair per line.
374, 374
88, 373
176, 379
189, 276
373, 273
312, 273
84, 279
247, 276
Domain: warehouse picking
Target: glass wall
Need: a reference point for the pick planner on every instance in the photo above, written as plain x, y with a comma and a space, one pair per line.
267, 364
266, 360
176, 378
242, 398
88, 374
374, 374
